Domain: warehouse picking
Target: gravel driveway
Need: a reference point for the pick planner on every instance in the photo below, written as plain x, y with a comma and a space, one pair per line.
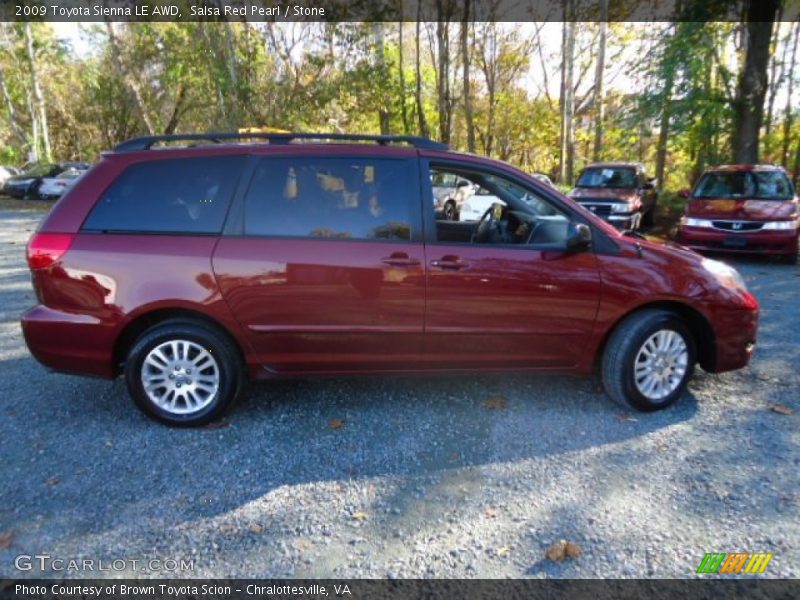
404, 477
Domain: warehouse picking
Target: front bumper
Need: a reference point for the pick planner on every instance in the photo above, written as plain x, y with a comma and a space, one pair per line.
16, 191
623, 221
782, 243
626, 220
736, 331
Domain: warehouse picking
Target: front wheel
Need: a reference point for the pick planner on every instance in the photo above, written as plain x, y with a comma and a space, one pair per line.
183, 373
648, 360
649, 218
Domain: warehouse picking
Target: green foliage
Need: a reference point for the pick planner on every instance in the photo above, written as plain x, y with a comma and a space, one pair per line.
344, 76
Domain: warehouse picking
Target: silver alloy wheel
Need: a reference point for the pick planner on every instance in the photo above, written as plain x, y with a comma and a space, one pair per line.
661, 364
180, 377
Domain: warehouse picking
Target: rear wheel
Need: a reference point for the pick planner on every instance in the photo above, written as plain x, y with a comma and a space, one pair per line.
183, 373
648, 360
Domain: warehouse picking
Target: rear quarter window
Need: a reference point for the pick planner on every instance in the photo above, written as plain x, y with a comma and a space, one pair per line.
186, 195
335, 198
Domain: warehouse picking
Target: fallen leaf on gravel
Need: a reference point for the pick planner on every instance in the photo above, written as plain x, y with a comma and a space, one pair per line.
563, 549
453, 456
625, 417
53, 481
256, 528
336, 423
573, 550
360, 516
221, 424
495, 403
227, 528
5, 538
782, 410
490, 512
504, 551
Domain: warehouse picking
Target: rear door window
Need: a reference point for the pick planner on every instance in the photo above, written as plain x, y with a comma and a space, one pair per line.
187, 195
334, 198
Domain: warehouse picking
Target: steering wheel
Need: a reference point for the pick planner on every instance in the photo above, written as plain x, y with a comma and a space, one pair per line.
484, 226
532, 235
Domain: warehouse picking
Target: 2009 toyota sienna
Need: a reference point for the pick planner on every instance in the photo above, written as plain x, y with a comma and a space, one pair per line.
187, 268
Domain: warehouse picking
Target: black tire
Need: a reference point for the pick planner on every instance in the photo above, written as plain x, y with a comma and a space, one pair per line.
32, 193
789, 259
215, 343
450, 213
621, 352
649, 218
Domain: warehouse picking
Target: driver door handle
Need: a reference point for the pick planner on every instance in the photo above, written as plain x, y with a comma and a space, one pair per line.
400, 259
450, 262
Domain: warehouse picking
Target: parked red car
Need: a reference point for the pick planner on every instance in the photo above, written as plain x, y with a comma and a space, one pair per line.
620, 193
746, 209
187, 268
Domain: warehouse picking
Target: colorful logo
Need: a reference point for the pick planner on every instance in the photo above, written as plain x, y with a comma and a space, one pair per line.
735, 563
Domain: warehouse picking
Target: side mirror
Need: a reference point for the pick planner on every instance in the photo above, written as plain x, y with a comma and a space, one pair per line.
684, 193
579, 237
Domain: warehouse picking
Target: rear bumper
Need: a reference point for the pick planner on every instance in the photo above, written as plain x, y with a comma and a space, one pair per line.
69, 342
783, 243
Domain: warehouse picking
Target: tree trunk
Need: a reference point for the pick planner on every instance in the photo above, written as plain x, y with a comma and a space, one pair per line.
775, 79
663, 132
443, 78
796, 171
424, 130
567, 157
466, 65
402, 80
752, 85
383, 114
13, 120
599, 92
129, 79
38, 96
788, 117
233, 75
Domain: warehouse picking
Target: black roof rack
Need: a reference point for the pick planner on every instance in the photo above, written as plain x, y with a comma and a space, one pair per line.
147, 142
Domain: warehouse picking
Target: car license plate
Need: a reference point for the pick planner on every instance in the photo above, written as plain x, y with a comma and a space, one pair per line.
735, 241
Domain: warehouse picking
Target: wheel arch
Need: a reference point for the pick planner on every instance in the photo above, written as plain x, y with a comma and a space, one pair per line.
144, 321
704, 337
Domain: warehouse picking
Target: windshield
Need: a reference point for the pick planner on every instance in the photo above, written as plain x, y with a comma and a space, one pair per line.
608, 177
70, 174
764, 185
38, 171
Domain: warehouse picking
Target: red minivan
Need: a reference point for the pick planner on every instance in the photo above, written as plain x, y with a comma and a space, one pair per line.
744, 209
187, 268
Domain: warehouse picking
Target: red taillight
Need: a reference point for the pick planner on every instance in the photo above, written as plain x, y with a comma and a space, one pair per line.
46, 248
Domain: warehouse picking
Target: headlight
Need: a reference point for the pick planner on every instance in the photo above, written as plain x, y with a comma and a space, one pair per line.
620, 207
692, 222
780, 225
22, 182
725, 274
